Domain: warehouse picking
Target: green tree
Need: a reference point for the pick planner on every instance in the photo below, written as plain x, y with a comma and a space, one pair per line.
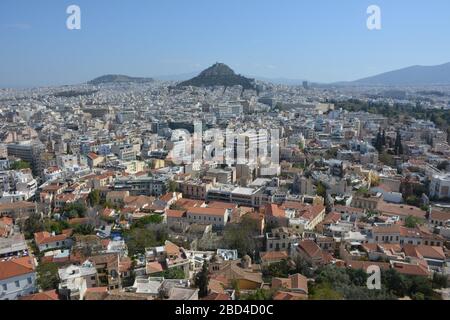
241, 236
421, 286
94, 198
19, 165
413, 200
439, 281
387, 159
202, 280
75, 210
55, 226
412, 222
172, 186
145, 221
137, 239
258, 295
47, 276
398, 144
174, 273
280, 269
324, 292
32, 225
84, 229
321, 190
394, 282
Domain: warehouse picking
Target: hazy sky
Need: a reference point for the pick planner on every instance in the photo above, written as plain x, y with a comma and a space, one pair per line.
320, 40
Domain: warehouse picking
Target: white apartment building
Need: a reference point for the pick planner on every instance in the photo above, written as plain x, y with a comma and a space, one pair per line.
440, 186
17, 278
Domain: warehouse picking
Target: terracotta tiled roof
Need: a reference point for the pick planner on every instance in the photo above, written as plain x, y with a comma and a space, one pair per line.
16, 267
41, 296
275, 211
273, 255
422, 251
188, 203
440, 215
310, 248
412, 269
171, 248
400, 210
394, 228
222, 205
206, 211
280, 295
294, 282
355, 264
92, 155
46, 237
175, 213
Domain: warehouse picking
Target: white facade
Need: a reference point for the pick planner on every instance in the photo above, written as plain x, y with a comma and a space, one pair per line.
19, 286
440, 186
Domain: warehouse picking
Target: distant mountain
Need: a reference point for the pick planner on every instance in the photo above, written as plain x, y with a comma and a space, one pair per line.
411, 76
118, 78
219, 75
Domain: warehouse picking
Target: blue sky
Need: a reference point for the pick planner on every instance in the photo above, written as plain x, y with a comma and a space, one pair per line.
320, 40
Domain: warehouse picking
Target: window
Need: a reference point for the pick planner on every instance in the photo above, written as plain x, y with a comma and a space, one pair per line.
5, 287
29, 280
17, 284
93, 278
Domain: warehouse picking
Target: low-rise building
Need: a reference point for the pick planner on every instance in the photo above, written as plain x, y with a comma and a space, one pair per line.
17, 278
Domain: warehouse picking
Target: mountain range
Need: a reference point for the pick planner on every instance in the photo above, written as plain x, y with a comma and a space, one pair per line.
221, 75
118, 78
410, 76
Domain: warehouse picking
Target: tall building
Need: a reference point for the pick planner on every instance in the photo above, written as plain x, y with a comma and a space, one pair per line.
29, 151
305, 85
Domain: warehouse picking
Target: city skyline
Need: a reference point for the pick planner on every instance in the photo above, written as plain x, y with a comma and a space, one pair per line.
321, 42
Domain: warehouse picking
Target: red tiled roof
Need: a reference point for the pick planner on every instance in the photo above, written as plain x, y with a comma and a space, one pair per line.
175, 213
222, 205
275, 211
412, 269
46, 237
274, 255
400, 210
280, 295
206, 211
310, 248
42, 296
92, 155
16, 267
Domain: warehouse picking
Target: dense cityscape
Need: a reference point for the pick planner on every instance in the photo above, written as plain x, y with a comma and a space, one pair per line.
95, 206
